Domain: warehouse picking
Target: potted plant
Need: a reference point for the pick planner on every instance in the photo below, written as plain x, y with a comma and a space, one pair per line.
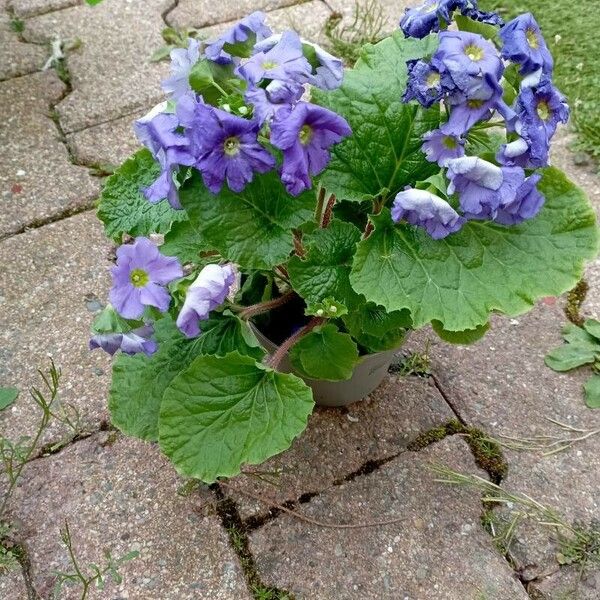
276, 249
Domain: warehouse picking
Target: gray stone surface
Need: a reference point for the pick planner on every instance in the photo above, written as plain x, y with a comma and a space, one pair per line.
17, 57
37, 179
591, 304
52, 279
108, 143
308, 19
111, 73
337, 444
438, 551
568, 584
12, 586
29, 8
389, 13
203, 13
502, 385
123, 495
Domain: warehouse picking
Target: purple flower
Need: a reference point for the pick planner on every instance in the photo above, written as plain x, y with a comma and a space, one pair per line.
440, 147
421, 21
305, 134
157, 131
275, 96
489, 18
182, 61
526, 204
250, 29
463, 116
228, 149
130, 342
539, 110
471, 61
524, 44
425, 83
327, 71
206, 293
483, 187
285, 61
426, 210
139, 276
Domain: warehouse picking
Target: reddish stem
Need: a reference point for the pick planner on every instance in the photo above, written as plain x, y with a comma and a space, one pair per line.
328, 212
280, 353
257, 309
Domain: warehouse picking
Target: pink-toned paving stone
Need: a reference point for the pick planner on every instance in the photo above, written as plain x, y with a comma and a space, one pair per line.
202, 13
17, 57
52, 281
340, 442
37, 179
29, 8
502, 385
111, 72
122, 495
438, 549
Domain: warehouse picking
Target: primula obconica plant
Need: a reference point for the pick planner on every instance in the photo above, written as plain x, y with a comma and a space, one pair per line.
330, 210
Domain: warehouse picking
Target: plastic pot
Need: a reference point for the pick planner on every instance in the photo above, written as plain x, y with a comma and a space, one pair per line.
368, 373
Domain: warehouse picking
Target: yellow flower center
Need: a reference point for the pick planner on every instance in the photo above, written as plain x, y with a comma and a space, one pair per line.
269, 64
473, 52
532, 38
231, 146
139, 278
543, 110
433, 79
305, 134
449, 142
474, 103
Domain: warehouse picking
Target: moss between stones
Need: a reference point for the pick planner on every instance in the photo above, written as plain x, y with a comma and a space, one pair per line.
575, 299
487, 453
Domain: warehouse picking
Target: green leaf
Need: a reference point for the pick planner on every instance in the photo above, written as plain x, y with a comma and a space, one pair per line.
324, 272
574, 334
489, 32
252, 228
225, 412
123, 208
329, 308
7, 396
593, 328
485, 267
325, 353
570, 356
383, 154
93, 2
162, 53
184, 242
592, 391
139, 381
377, 330
468, 336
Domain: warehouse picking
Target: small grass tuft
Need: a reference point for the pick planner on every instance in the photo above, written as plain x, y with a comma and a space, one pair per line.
17, 25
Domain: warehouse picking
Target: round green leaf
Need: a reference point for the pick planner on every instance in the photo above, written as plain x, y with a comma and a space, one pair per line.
485, 267
325, 271
7, 396
592, 391
469, 336
383, 154
139, 381
224, 412
570, 356
122, 207
325, 353
252, 228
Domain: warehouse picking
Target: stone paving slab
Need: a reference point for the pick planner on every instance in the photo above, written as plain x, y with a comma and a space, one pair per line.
337, 444
308, 19
502, 385
111, 73
30, 8
390, 13
12, 586
17, 57
52, 279
439, 551
109, 143
123, 495
37, 179
202, 13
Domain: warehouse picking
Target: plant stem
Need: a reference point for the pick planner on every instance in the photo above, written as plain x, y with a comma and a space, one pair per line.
274, 360
328, 212
319, 208
262, 307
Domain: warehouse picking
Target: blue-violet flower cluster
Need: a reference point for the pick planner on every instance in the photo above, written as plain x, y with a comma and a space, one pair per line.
465, 73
